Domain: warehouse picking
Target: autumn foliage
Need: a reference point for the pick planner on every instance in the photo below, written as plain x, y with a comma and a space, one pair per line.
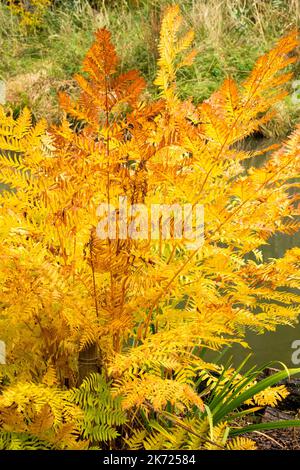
146, 308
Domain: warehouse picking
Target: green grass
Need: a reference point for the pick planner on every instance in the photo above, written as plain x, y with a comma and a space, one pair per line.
230, 35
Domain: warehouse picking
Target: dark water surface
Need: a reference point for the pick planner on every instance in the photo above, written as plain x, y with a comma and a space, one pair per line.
283, 344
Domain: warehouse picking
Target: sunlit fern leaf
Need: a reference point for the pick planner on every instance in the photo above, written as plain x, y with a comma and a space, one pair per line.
103, 412
241, 443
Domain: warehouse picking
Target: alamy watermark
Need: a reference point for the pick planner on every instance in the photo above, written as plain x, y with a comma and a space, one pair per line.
159, 221
2, 353
296, 93
295, 359
2, 92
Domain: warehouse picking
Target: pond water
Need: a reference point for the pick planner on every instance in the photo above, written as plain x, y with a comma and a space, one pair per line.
283, 344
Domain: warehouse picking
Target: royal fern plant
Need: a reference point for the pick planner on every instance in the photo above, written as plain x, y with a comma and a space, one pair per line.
139, 311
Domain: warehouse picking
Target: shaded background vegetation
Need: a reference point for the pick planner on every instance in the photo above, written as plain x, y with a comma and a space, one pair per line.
230, 35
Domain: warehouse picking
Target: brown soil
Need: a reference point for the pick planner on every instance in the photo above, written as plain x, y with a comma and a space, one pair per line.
284, 438
278, 439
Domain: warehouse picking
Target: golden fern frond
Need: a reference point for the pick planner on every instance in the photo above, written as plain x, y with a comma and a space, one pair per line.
103, 92
50, 377
232, 114
158, 392
170, 46
135, 441
270, 396
217, 437
265, 77
241, 443
41, 412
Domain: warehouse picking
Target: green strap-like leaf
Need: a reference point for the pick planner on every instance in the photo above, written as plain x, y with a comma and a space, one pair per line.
288, 423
